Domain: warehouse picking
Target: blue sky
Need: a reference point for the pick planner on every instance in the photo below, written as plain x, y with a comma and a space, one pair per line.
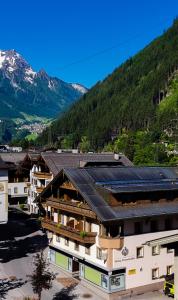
68, 38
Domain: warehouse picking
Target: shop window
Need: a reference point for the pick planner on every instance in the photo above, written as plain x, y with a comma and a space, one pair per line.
155, 250
155, 273
87, 250
169, 270
117, 282
139, 252
104, 281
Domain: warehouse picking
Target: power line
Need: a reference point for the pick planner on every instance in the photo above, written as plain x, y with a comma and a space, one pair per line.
89, 57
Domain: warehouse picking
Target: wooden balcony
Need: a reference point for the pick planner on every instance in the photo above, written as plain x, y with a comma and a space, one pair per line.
68, 186
72, 207
68, 232
39, 189
110, 243
42, 175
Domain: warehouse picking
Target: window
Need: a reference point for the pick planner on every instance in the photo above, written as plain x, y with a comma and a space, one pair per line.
9, 191
25, 190
76, 247
170, 250
139, 252
169, 270
155, 250
15, 190
87, 250
138, 227
155, 273
99, 253
57, 238
67, 242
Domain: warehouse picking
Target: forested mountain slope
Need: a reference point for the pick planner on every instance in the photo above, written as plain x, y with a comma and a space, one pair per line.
127, 99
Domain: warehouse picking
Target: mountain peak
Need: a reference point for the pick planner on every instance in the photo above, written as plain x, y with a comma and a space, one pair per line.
80, 88
42, 73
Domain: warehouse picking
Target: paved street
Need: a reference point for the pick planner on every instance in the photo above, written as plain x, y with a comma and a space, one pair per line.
20, 239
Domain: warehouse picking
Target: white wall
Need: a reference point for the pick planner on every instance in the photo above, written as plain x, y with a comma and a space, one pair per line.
20, 186
3, 196
92, 257
143, 266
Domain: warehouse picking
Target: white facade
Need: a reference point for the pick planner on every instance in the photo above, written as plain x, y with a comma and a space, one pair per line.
139, 269
3, 196
17, 189
143, 265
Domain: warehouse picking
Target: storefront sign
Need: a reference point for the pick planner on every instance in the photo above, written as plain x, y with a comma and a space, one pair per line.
132, 272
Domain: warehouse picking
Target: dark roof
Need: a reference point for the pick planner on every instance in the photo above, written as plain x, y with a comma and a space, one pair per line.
33, 156
145, 179
57, 161
14, 157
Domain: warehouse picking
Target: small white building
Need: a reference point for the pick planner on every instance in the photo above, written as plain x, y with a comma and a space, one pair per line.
3, 193
18, 177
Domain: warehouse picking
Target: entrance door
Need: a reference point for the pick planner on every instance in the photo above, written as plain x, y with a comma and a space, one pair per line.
75, 267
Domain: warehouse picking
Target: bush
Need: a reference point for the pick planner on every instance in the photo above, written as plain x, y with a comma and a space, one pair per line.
83, 234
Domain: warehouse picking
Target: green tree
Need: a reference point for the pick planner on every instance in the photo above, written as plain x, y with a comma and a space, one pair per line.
41, 279
84, 144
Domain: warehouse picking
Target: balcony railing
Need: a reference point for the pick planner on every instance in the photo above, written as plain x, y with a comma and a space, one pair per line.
72, 207
68, 232
68, 185
42, 175
106, 242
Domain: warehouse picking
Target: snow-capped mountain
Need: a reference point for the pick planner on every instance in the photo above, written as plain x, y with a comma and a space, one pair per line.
22, 90
80, 88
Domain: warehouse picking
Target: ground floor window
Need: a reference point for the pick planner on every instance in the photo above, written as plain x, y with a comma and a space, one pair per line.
91, 273
155, 273
117, 282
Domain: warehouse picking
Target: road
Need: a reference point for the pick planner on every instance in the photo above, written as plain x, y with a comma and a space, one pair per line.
20, 239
